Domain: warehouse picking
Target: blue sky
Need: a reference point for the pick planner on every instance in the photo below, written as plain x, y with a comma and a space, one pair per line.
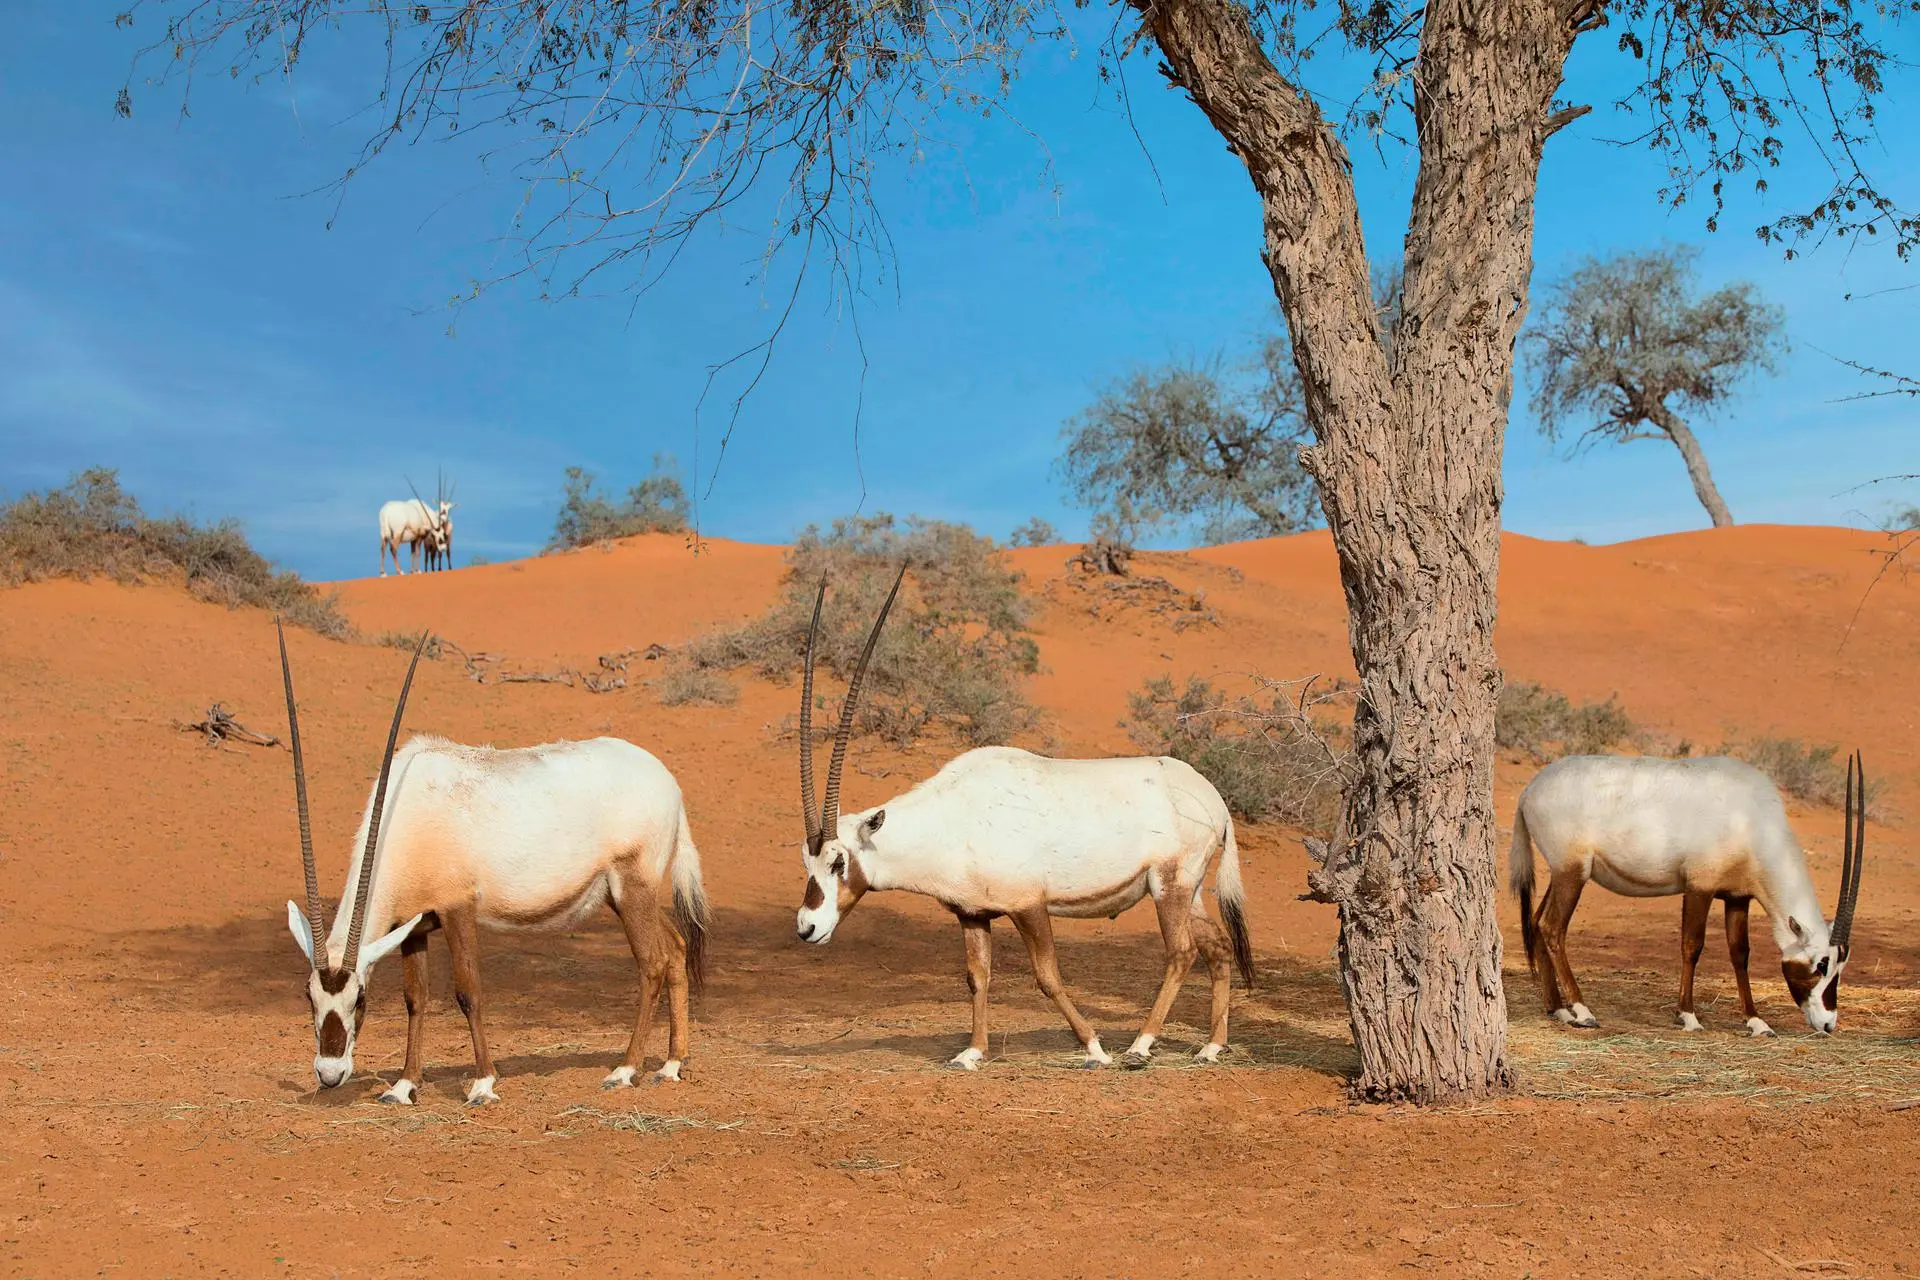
173, 305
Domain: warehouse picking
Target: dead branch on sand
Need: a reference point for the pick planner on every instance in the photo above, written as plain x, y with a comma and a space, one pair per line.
220, 726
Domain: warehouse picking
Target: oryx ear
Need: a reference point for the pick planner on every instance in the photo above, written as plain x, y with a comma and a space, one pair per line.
872, 824
298, 927
374, 952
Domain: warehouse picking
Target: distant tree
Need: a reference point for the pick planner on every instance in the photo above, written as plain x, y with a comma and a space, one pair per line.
1623, 349
1187, 446
657, 504
1034, 533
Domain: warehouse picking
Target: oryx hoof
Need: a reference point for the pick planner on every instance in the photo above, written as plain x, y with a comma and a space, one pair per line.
1208, 1054
480, 1092
669, 1072
966, 1060
1688, 1022
1131, 1061
619, 1078
400, 1095
1757, 1028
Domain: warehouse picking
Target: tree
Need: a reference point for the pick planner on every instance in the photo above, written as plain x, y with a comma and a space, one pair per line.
640, 122
1035, 532
1165, 446
1623, 347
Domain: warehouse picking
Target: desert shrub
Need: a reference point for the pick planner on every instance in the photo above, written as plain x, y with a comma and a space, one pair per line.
686, 685
952, 654
658, 504
94, 527
1266, 762
1545, 724
1814, 774
1034, 533
1904, 520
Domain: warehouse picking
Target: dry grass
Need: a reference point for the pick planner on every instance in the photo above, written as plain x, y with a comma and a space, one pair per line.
657, 504
685, 685
952, 654
92, 527
647, 1122
1545, 724
1267, 761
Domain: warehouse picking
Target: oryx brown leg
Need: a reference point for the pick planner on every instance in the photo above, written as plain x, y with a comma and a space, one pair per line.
1175, 908
976, 932
1693, 940
1218, 953
1036, 929
1556, 912
639, 915
1541, 962
413, 957
463, 941
677, 995
1736, 912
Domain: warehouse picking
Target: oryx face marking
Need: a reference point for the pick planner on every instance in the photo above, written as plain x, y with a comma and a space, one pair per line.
1815, 987
835, 882
338, 1000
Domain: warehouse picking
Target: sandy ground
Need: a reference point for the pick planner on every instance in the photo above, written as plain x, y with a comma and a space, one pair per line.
155, 1054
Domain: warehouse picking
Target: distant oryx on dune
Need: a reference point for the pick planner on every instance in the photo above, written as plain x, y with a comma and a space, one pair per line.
1003, 832
418, 524
1707, 828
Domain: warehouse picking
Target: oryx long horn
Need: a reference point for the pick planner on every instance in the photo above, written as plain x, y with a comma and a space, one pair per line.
809, 803
830, 810
315, 923
1853, 855
358, 920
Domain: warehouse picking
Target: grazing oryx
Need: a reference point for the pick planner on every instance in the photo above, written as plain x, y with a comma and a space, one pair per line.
1003, 832
532, 839
1707, 828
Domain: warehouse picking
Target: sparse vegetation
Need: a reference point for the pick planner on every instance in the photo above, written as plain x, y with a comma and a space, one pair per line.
1034, 533
1545, 724
1904, 520
952, 654
1266, 759
658, 504
1811, 773
94, 527
686, 685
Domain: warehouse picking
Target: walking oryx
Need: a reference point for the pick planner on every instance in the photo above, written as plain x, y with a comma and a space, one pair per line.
1706, 828
417, 524
1003, 832
532, 839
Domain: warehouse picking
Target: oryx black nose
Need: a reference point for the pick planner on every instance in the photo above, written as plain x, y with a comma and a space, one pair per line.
806, 933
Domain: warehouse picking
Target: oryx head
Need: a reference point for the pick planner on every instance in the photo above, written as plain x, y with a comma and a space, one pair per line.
835, 879
337, 990
1812, 967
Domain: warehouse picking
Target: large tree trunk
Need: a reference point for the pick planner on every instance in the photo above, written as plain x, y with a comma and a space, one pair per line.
1408, 461
1689, 445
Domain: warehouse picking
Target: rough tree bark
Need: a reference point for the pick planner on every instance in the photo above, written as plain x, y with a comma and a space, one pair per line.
1697, 471
1408, 459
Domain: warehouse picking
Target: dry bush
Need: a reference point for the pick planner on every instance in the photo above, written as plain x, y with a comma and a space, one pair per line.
1267, 759
658, 504
952, 654
686, 685
1814, 774
1546, 725
92, 526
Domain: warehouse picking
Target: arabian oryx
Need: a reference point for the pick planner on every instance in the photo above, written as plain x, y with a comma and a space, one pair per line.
416, 523
1707, 828
457, 837
1003, 832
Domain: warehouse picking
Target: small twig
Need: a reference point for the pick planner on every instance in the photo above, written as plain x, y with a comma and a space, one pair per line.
220, 726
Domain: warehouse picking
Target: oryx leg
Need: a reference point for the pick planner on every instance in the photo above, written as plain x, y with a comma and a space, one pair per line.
413, 957
1736, 911
1218, 953
1175, 909
1556, 912
463, 941
639, 914
977, 933
677, 997
1693, 940
1036, 930
413, 554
